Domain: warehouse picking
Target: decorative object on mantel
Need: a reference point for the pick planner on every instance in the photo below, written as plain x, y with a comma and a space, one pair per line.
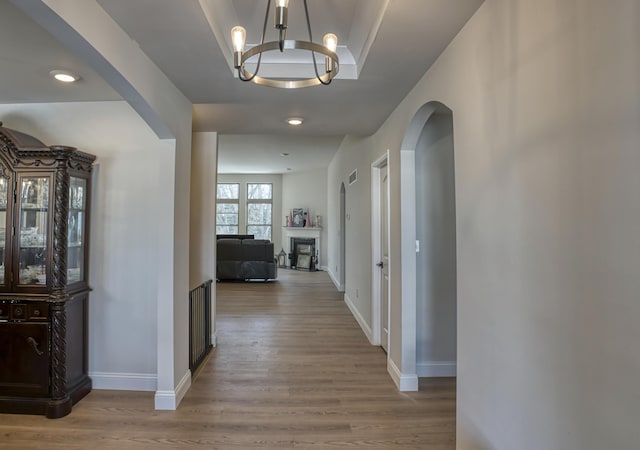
307, 220
297, 215
316, 224
328, 49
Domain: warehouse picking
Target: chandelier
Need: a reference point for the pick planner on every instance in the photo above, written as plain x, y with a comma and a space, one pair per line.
323, 76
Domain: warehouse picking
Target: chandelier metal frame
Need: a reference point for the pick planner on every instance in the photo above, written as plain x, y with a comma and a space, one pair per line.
331, 66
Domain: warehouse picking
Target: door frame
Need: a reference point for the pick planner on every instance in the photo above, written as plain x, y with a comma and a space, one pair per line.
376, 248
342, 238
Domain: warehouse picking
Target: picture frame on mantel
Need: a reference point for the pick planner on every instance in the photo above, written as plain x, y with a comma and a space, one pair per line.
297, 215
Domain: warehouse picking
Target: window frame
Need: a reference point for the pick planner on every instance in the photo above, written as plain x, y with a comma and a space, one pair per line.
259, 201
228, 201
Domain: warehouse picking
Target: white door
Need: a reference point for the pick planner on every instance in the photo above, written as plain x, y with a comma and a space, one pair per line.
384, 263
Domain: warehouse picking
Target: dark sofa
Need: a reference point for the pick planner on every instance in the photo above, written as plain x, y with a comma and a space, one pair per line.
245, 259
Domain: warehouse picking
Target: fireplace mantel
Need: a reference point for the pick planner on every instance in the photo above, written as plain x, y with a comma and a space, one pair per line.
303, 232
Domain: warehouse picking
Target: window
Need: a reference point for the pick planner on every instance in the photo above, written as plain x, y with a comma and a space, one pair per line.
259, 206
227, 208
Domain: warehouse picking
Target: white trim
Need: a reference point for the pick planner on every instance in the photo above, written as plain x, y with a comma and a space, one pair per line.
183, 386
435, 369
169, 400
214, 339
371, 37
342, 238
124, 381
356, 314
376, 251
408, 233
408, 259
404, 382
333, 278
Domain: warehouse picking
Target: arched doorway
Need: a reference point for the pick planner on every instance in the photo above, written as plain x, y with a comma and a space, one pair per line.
422, 138
436, 260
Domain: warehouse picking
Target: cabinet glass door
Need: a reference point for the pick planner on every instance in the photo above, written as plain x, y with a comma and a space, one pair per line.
77, 219
4, 187
32, 230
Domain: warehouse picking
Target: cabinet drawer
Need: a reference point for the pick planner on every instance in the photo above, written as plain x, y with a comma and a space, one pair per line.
38, 312
20, 312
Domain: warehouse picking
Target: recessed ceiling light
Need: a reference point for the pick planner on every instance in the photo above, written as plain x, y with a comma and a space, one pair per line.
64, 75
284, 154
295, 121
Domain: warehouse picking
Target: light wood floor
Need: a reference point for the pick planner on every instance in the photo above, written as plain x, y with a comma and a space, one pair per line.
292, 371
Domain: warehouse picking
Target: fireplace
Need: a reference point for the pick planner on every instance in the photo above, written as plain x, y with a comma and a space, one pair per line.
303, 254
304, 236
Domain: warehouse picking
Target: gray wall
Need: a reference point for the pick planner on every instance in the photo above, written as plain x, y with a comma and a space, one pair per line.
436, 261
202, 242
350, 157
545, 103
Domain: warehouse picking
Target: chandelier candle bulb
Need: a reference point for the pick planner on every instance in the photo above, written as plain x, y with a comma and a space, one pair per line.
238, 37
330, 41
281, 18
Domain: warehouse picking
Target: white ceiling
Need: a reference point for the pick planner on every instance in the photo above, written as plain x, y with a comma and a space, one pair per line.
28, 53
274, 154
393, 43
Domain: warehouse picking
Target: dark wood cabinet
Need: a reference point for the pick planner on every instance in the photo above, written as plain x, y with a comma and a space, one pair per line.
24, 361
44, 291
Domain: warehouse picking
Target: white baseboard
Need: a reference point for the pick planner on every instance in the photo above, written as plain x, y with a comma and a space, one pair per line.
356, 314
435, 369
169, 400
404, 382
214, 340
334, 279
124, 381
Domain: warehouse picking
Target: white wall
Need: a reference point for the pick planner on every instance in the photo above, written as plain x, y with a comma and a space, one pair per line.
436, 261
276, 181
545, 105
202, 242
129, 195
307, 190
358, 223
203, 205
